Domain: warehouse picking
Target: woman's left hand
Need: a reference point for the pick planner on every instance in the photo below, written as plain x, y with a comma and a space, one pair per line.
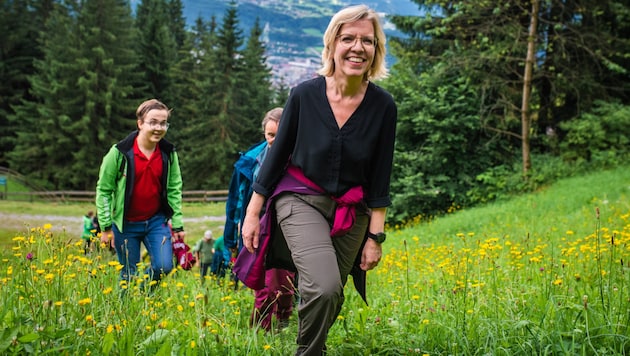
371, 255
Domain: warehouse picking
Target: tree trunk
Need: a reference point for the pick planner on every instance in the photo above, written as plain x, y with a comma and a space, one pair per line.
527, 88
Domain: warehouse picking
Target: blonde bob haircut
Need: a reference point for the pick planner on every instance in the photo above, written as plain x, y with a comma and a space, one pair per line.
351, 14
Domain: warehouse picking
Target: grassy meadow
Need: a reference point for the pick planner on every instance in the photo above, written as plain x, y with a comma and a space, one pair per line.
540, 274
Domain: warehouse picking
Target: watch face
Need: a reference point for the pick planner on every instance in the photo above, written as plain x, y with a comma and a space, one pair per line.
378, 237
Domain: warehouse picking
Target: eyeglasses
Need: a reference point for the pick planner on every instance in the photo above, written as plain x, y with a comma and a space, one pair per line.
158, 124
349, 41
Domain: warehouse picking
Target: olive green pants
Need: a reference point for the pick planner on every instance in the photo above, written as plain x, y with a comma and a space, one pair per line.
322, 262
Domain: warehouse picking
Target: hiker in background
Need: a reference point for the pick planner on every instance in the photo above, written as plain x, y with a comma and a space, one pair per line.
204, 250
220, 259
276, 297
183, 255
326, 180
138, 191
87, 232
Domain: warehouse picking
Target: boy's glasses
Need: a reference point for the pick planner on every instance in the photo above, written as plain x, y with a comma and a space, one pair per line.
163, 125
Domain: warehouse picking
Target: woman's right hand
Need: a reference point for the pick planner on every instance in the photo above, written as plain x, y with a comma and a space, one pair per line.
251, 232
251, 223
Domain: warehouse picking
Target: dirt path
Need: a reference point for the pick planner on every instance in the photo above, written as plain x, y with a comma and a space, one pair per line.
70, 224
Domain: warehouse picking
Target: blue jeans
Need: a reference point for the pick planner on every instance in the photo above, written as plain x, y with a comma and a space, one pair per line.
156, 237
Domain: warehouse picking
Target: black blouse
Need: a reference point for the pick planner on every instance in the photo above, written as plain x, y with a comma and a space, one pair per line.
360, 153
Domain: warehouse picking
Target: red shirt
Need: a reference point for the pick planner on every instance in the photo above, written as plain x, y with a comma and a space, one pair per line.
145, 196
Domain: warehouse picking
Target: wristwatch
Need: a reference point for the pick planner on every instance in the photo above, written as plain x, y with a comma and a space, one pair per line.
378, 237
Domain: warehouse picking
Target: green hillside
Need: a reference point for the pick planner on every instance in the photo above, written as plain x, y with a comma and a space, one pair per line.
542, 274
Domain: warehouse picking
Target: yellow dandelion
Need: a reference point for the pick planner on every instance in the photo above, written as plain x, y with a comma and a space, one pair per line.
58, 304
85, 301
47, 226
191, 304
107, 290
266, 347
425, 321
89, 318
110, 328
49, 277
193, 344
340, 317
180, 308
557, 282
214, 331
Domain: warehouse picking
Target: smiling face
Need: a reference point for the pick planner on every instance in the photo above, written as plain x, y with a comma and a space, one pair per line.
354, 48
153, 127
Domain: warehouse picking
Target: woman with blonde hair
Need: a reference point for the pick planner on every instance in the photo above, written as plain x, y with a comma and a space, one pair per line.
326, 179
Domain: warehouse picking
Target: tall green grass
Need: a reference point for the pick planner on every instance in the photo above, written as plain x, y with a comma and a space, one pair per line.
542, 274
19, 216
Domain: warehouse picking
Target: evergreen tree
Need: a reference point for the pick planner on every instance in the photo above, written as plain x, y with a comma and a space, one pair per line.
197, 134
177, 22
84, 94
253, 94
212, 151
281, 93
20, 22
157, 48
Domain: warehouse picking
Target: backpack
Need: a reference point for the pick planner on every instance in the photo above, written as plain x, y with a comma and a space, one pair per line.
185, 259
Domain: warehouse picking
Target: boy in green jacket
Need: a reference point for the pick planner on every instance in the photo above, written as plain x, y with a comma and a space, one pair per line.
138, 191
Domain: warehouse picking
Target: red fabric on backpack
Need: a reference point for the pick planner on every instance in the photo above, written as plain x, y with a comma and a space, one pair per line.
185, 259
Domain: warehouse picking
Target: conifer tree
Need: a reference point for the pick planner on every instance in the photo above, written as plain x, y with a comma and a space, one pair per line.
20, 22
84, 92
198, 134
177, 22
253, 95
157, 48
211, 167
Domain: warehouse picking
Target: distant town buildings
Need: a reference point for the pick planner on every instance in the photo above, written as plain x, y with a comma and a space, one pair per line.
290, 64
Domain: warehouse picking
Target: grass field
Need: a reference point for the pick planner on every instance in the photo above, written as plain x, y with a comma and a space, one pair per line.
20, 216
541, 274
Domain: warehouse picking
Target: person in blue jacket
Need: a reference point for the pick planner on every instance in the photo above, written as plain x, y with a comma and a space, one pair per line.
276, 298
